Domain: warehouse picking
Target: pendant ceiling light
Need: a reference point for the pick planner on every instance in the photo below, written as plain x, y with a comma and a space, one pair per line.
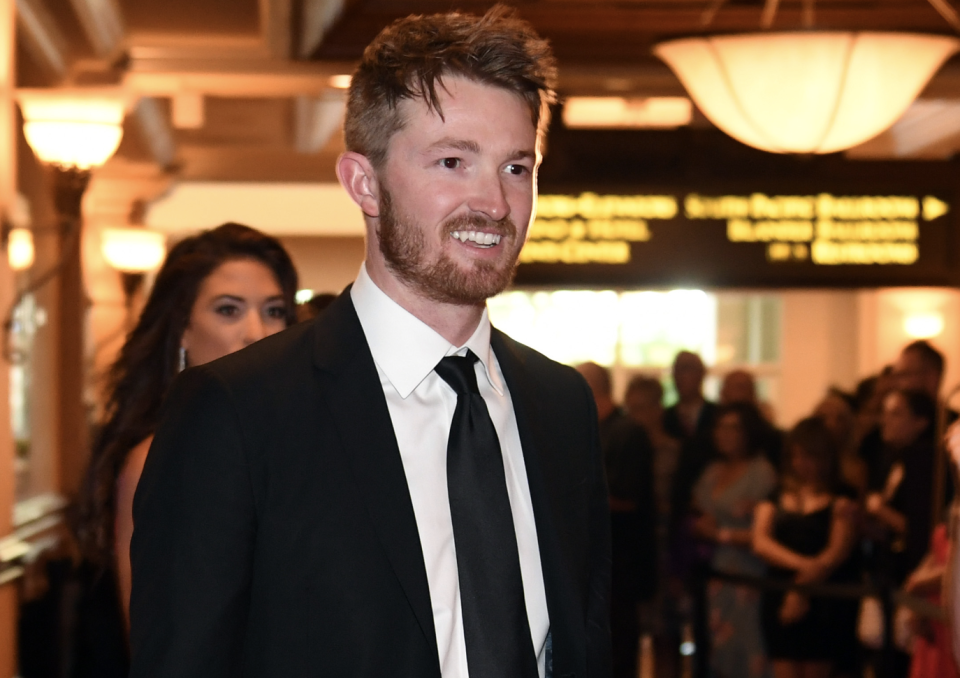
806, 91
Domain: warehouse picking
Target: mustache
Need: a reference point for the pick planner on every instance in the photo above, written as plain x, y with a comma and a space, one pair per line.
474, 222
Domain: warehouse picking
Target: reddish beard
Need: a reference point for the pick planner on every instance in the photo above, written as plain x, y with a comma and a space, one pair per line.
404, 249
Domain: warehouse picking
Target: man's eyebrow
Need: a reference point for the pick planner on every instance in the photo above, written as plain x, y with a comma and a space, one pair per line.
456, 144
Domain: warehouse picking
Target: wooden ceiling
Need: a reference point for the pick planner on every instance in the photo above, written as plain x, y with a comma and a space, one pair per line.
240, 89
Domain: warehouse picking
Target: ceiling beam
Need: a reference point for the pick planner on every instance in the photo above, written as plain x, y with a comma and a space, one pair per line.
103, 24
317, 19
238, 80
157, 133
276, 27
316, 120
42, 37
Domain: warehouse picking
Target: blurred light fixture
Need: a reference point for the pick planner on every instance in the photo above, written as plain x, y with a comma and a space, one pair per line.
77, 128
627, 113
340, 81
806, 91
303, 296
923, 325
133, 249
20, 250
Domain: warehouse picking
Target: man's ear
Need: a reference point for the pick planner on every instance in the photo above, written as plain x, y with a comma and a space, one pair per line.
358, 177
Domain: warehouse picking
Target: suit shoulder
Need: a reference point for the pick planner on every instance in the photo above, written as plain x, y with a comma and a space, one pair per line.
280, 354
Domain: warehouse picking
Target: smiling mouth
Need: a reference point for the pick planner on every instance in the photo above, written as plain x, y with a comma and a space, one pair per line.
478, 238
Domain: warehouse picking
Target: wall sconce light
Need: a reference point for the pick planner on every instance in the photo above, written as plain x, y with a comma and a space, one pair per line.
78, 128
923, 325
19, 245
133, 251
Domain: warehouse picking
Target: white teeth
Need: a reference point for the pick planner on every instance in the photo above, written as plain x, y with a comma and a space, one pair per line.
481, 239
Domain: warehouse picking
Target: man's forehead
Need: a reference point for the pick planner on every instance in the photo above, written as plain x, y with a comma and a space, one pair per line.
688, 362
455, 126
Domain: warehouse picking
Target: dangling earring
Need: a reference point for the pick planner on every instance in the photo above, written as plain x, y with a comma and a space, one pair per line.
183, 359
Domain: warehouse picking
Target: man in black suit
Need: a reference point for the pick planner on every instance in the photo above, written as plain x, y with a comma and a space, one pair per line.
394, 488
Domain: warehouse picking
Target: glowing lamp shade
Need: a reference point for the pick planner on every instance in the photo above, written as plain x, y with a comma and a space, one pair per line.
73, 128
133, 250
810, 92
20, 252
923, 325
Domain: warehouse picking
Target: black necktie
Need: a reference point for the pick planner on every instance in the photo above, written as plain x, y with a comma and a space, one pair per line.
495, 623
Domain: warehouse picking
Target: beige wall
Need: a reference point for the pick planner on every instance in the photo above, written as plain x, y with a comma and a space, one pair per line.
325, 264
819, 349
839, 337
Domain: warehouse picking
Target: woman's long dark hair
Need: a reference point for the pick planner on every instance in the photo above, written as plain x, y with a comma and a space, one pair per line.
751, 425
149, 360
814, 438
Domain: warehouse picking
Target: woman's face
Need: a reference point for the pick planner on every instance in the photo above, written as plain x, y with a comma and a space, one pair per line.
804, 466
644, 408
898, 425
729, 437
836, 416
239, 303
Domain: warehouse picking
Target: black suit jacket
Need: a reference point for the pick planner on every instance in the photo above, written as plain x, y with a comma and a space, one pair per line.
275, 535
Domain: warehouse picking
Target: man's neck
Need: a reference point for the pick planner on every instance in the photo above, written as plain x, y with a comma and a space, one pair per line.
691, 402
454, 322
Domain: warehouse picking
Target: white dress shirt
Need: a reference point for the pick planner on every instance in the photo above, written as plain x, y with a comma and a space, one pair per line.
421, 407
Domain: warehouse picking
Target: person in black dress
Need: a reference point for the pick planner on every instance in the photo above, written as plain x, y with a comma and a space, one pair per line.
806, 532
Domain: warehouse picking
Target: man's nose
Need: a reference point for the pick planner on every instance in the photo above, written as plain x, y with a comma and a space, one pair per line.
489, 197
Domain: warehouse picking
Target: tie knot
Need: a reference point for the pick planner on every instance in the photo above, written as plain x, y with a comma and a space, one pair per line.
458, 372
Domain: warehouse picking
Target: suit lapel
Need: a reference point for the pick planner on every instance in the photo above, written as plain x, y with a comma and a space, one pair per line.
566, 625
352, 391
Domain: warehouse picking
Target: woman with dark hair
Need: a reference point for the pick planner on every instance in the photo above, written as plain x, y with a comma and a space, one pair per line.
806, 532
725, 497
216, 293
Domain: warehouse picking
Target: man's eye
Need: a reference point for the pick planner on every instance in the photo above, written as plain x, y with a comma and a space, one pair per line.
517, 170
450, 163
229, 310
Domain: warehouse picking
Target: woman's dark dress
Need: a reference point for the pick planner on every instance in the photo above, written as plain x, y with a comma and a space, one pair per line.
827, 629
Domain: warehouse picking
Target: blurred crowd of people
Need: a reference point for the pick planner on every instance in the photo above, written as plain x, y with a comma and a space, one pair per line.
762, 552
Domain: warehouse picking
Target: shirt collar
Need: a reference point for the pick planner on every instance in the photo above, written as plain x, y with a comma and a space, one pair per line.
404, 347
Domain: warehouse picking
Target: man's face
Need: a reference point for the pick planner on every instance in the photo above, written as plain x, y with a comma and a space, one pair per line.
898, 425
644, 408
738, 387
457, 193
688, 373
911, 373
